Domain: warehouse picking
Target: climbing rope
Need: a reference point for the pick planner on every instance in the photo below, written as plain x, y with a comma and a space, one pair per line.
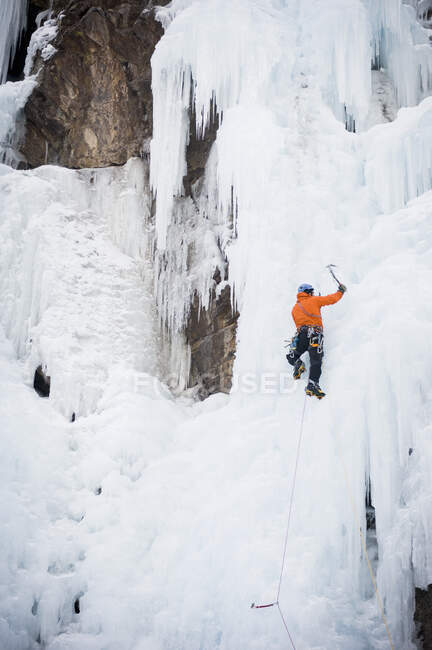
291, 499
276, 602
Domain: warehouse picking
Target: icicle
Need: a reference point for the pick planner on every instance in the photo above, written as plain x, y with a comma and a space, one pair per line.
13, 20
192, 65
13, 97
340, 45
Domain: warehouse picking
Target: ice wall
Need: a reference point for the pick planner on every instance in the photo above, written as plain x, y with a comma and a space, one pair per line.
202, 71
402, 46
340, 51
13, 19
292, 191
75, 278
399, 163
13, 97
192, 510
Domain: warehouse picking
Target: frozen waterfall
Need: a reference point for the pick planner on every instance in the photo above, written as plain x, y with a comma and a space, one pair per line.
140, 520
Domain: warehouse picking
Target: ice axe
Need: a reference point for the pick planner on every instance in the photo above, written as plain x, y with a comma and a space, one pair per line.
330, 268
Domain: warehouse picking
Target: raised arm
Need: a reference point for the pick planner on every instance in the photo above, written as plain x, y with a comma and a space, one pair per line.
330, 299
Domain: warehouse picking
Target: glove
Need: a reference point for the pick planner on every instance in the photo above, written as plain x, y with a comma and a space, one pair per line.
342, 288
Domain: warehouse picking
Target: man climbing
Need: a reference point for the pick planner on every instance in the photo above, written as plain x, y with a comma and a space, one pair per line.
309, 336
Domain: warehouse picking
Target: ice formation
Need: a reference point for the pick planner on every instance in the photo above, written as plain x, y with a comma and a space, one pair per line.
402, 46
41, 42
13, 97
164, 519
13, 19
399, 162
75, 284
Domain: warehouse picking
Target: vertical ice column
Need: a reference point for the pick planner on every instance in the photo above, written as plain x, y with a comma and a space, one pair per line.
399, 161
401, 46
13, 19
340, 46
224, 60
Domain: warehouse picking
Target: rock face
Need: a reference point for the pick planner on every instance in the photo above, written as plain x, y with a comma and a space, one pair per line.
423, 617
211, 335
197, 151
93, 103
41, 382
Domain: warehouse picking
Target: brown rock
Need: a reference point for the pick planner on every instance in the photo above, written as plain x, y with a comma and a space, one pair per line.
198, 150
93, 103
211, 334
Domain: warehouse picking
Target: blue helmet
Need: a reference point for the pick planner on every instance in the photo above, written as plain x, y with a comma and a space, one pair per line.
305, 288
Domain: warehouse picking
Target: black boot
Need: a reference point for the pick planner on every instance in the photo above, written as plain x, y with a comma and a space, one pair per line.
299, 368
314, 390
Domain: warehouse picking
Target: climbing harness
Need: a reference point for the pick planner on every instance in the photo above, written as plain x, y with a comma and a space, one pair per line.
316, 338
315, 335
276, 602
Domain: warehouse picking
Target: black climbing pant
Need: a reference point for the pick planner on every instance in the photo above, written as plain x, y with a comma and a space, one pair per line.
311, 340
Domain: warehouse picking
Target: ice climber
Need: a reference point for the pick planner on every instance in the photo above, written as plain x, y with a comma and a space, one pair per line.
309, 336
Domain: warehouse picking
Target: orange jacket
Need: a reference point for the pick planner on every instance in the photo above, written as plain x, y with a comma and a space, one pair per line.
307, 310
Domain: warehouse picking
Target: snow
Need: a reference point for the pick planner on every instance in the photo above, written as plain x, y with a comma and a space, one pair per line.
41, 42
165, 517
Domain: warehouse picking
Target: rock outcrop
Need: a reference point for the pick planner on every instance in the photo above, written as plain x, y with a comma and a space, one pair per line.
93, 103
211, 334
